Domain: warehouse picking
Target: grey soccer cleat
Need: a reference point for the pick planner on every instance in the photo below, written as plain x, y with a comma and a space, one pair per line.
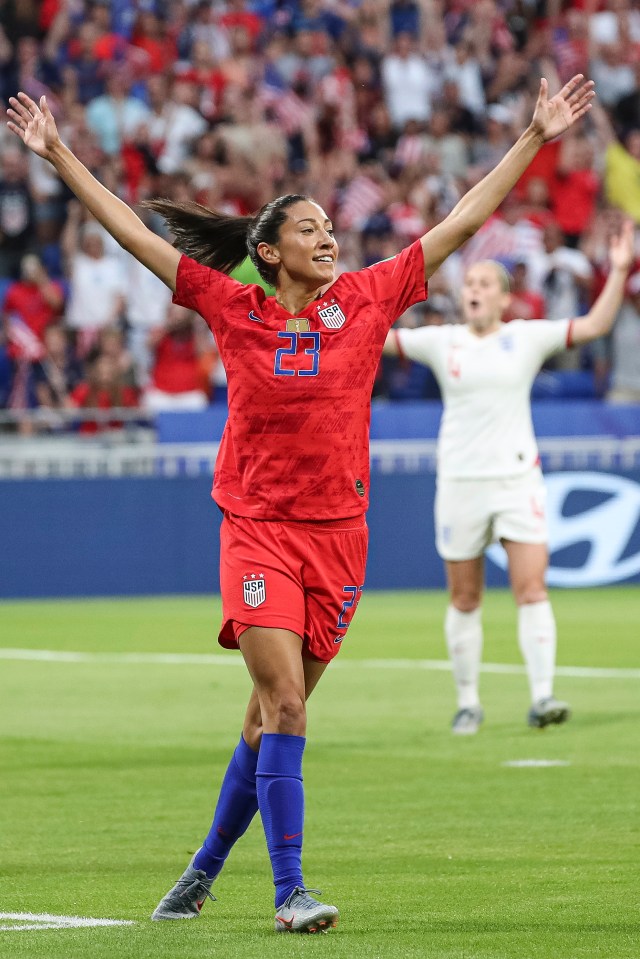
548, 712
302, 913
466, 722
187, 897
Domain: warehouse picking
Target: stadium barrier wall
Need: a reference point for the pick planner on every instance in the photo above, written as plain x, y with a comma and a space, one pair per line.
158, 535
421, 419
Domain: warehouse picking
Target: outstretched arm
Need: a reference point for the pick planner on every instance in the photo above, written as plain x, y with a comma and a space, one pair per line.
600, 317
35, 126
550, 118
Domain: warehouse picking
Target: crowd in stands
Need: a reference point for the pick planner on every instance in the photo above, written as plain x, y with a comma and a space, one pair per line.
385, 111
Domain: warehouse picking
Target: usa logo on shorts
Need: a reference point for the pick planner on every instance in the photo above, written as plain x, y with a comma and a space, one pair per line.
254, 589
331, 315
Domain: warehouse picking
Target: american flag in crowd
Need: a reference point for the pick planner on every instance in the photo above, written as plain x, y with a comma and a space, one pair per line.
409, 150
291, 112
362, 197
571, 56
25, 343
493, 241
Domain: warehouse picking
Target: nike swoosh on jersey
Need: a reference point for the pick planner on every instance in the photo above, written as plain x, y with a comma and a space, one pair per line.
253, 316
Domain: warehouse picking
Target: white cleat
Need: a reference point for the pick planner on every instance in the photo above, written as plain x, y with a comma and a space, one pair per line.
467, 721
302, 913
548, 712
187, 897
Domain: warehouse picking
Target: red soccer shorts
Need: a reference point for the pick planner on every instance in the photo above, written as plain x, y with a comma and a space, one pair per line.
303, 576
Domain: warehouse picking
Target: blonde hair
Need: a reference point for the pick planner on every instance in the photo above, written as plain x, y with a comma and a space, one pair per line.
502, 273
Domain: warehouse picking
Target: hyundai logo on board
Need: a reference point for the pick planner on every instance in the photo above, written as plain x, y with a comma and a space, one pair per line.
594, 529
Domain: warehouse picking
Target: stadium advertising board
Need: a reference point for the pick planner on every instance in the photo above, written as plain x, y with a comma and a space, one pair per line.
594, 529
153, 535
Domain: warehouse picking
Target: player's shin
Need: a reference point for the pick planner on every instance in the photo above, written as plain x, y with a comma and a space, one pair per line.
537, 638
237, 805
463, 633
281, 802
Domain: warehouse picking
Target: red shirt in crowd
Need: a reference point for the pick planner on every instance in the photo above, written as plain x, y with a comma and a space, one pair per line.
27, 301
296, 442
84, 396
573, 198
177, 367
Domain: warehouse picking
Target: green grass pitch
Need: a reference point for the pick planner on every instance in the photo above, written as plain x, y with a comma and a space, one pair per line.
430, 845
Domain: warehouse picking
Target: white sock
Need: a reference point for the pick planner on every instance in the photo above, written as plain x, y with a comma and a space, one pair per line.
537, 638
463, 632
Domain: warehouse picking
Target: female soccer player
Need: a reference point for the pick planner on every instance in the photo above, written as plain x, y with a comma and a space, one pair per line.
489, 484
292, 474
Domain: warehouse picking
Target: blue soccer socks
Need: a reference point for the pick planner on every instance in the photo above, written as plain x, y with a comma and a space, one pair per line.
281, 803
237, 805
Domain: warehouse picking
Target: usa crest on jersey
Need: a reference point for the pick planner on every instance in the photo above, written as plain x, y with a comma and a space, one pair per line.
331, 315
254, 589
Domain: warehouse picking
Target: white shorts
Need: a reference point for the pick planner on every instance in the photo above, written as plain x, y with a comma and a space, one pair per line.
472, 513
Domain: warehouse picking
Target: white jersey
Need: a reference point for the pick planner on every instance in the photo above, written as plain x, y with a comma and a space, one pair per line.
485, 381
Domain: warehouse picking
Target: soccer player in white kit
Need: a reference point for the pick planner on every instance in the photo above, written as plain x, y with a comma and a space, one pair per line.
489, 483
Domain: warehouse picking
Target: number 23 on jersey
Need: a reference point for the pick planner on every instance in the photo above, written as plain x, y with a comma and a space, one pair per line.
299, 356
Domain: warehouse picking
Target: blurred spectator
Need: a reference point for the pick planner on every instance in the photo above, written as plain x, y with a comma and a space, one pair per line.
405, 18
17, 222
625, 348
576, 188
565, 278
35, 299
116, 115
613, 76
525, 304
185, 357
563, 275
97, 286
465, 72
403, 379
451, 148
490, 149
111, 343
172, 126
57, 373
86, 67
407, 83
150, 35
147, 302
622, 163
6, 370
103, 389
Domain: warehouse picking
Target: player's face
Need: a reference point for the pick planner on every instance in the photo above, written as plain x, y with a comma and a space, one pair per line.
306, 249
483, 297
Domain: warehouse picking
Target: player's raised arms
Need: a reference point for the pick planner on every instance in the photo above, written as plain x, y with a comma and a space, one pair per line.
36, 127
551, 117
599, 320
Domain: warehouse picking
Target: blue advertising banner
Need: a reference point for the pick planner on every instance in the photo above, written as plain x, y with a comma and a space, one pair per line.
154, 535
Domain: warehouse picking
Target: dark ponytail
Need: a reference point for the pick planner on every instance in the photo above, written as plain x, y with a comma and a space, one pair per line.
221, 241
214, 239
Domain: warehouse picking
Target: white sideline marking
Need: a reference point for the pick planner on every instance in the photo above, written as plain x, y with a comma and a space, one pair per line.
44, 920
534, 763
214, 659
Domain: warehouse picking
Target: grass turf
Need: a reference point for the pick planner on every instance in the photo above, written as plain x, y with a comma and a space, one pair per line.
428, 843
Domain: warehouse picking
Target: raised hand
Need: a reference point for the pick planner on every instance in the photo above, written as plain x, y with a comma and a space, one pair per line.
622, 247
34, 124
553, 117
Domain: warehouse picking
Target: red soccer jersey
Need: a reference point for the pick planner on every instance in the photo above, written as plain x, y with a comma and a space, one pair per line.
296, 443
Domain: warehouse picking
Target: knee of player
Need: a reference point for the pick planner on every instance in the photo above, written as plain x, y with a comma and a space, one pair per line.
466, 601
530, 593
286, 712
